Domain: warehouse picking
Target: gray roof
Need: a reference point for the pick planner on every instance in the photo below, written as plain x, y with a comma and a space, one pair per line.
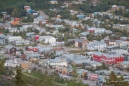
107, 55
35, 55
45, 37
97, 43
123, 38
84, 33
45, 49
125, 63
9, 46
56, 60
14, 29
79, 40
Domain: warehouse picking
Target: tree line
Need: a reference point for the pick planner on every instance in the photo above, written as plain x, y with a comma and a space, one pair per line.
16, 7
104, 5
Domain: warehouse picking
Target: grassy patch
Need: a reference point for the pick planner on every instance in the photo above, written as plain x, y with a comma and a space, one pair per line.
45, 80
42, 79
42, 43
36, 74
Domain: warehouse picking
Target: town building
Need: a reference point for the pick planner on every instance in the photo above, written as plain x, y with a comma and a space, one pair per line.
107, 58
14, 38
99, 45
47, 39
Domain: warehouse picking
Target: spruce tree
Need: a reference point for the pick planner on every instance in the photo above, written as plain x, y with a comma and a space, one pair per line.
18, 78
115, 80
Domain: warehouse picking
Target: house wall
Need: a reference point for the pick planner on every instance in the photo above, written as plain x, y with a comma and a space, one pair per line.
96, 47
112, 43
76, 44
19, 43
79, 45
59, 64
51, 40
10, 39
115, 8
125, 65
99, 31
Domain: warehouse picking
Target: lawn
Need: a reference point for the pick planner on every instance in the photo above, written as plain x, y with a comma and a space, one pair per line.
35, 74
37, 79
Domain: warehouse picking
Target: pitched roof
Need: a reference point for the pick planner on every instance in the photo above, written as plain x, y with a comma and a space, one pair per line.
107, 55
78, 40
9, 46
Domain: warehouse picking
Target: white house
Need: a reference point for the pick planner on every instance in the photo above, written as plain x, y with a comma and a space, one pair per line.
21, 42
54, 26
99, 30
47, 39
55, 32
11, 63
26, 42
14, 38
13, 30
53, 62
58, 62
27, 26
96, 45
57, 43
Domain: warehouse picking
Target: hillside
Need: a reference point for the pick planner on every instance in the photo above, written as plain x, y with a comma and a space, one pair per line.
88, 7
9, 5
91, 6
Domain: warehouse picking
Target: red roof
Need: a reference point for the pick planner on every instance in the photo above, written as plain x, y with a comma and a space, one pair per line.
16, 19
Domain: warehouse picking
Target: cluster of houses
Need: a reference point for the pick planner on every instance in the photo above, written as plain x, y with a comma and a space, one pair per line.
52, 54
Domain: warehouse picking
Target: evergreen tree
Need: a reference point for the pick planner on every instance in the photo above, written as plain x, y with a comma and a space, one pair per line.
2, 68
18, 78
7, 31
116, 81
15, 12
14, 33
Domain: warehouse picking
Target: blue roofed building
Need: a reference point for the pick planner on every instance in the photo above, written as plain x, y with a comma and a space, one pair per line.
81, 16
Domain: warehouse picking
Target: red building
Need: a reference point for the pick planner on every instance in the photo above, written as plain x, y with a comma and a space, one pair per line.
91, 31
93, 77
108, 58
30, 48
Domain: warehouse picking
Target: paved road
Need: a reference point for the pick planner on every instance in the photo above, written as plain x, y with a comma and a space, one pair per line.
43, 14
65, 48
